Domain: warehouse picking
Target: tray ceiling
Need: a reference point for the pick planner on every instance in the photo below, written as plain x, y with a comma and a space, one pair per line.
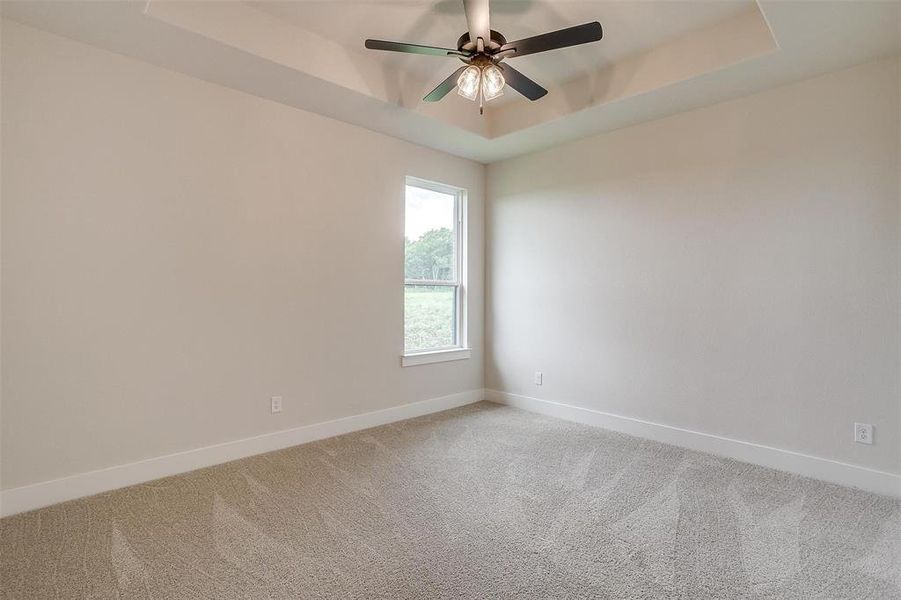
656, 58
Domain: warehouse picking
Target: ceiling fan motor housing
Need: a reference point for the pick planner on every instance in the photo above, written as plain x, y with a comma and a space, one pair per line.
464, 44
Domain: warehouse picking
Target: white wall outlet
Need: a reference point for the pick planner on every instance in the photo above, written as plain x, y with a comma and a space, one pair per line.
863, 433
539, 378
276, 404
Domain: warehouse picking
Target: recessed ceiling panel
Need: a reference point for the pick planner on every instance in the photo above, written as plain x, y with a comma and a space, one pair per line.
630, 27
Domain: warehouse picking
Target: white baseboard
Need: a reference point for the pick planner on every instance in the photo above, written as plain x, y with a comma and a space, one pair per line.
45, 493
30, 497
880, 482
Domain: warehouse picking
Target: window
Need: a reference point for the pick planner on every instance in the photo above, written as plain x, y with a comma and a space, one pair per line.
434, 273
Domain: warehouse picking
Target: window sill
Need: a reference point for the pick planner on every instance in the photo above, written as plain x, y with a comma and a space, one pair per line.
425, 358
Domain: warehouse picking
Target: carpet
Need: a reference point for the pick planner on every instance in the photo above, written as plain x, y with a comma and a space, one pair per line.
483, 501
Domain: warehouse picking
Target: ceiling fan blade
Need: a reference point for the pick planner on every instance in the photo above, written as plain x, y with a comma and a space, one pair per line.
571, 36
445, 86
478, 19
521, 83
411, 48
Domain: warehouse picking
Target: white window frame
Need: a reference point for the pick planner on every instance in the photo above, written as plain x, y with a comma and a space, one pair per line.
460, 350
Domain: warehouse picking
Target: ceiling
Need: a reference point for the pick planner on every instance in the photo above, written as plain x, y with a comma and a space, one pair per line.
630, 27
656, 58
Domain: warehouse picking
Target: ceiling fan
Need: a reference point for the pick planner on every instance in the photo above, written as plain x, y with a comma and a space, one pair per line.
482, 49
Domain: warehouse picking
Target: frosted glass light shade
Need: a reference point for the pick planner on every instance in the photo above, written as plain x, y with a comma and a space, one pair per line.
492, 82
468, 82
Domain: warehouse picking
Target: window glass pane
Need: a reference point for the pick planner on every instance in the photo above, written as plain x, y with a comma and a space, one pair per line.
429, 236
430, 317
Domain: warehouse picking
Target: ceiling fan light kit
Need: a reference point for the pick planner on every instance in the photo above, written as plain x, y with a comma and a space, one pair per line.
482, 49
482, 82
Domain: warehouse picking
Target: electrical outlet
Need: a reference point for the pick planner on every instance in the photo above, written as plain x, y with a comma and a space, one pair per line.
863, 433
276, 404
539, 378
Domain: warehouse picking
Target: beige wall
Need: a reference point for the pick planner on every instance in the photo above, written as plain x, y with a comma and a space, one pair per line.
174, 253
732, 270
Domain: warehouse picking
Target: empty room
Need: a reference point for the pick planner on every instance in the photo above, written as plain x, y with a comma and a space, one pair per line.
414, 299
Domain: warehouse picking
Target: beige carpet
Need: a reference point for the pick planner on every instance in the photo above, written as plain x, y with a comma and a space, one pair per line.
479, 502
